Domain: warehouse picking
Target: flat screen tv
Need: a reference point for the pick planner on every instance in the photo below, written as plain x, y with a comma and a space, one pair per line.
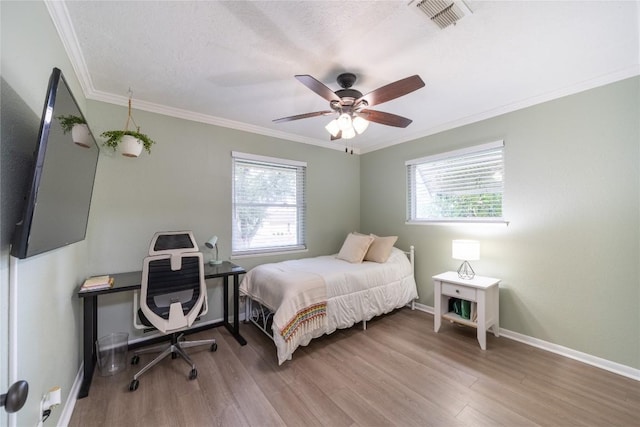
56, 207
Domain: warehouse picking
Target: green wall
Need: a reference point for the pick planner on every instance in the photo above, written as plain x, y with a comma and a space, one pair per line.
186, 184
568, 259
48, 325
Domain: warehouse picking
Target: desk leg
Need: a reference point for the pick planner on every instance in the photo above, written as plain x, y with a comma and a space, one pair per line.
236, 306
225, 300
90, 332
235, 328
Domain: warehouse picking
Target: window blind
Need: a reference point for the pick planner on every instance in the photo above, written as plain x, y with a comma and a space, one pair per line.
269, 208
462, 185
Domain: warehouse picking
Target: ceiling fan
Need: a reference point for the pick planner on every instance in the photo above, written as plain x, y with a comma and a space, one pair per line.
352, 107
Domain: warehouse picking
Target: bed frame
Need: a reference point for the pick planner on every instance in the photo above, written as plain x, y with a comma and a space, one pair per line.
262, 316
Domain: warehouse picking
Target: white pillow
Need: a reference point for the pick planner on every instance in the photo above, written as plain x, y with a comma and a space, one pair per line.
380, 248
355, 247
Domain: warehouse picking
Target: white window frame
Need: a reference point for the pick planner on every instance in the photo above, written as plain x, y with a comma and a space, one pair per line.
285, 164
441, 161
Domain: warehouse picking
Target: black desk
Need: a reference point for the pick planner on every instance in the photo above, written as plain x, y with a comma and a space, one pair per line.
124, 282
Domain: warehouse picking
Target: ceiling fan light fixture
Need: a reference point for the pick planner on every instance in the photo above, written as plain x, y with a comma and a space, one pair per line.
348, 133
352, 107
333, 128
344, 121
360, 124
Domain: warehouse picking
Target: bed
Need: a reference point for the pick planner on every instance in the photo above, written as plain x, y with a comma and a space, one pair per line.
296, 301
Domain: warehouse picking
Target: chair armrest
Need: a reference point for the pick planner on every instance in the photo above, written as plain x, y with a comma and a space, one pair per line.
136, 306
205, 307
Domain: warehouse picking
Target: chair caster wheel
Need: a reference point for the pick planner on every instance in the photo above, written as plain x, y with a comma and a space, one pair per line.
135, 360
214, 347
193, 374
134, 385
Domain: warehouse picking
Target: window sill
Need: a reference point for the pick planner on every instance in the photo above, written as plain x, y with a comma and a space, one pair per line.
268, 253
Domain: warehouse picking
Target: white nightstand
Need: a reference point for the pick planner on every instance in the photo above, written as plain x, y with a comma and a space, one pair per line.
483, 291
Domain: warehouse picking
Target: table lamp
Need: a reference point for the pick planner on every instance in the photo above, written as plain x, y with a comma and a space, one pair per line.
466, 250
212, 243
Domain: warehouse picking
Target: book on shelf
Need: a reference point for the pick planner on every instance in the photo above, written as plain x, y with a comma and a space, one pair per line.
97, 282
467, 310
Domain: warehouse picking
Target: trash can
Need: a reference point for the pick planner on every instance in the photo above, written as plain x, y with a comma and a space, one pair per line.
111, 352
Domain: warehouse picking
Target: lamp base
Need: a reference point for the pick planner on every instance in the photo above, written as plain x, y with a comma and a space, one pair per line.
465, 271
215, 262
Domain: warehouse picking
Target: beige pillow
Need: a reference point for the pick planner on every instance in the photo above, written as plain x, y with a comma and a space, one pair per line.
380, 249
355, 248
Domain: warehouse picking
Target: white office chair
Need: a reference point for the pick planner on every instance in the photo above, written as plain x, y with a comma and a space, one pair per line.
172, 296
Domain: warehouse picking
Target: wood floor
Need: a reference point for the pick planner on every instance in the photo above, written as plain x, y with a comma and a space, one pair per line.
397, 372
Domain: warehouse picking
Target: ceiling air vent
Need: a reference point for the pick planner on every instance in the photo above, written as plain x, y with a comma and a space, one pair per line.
442, 12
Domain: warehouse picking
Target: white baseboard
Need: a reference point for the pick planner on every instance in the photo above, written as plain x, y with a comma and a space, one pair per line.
67, 410
598, 362
425, 308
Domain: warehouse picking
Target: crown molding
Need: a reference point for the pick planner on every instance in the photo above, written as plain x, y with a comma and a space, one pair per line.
603, 80
208, 119
60, 17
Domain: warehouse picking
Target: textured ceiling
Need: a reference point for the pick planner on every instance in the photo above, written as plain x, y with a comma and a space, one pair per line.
232, 63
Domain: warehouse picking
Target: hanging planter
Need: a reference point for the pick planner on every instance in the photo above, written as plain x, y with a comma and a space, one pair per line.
78, 128
128, 141
130, 146
80, 135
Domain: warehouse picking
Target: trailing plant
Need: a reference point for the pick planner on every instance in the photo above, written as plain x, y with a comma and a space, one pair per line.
67, 122
115, 136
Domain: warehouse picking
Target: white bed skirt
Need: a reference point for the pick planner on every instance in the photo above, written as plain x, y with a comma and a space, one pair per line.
344, 311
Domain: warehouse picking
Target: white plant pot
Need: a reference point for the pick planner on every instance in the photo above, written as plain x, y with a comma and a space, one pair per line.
130, 146
80, 135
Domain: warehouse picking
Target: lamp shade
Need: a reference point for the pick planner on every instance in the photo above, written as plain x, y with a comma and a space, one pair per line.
211, 243
348, 134
465, 250
360, 124
344, 122
333, 128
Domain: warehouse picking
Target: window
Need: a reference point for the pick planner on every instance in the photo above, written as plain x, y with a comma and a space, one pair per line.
269, 208
464, 185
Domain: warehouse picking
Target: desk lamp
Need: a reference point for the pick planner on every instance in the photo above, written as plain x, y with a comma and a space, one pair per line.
211, 244
466, 250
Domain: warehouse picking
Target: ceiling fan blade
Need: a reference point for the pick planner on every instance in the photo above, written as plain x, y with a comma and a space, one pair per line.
318, 87
392, 91
385, 118
304, 116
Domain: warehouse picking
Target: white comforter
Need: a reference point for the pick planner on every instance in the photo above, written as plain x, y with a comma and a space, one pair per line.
353, 292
